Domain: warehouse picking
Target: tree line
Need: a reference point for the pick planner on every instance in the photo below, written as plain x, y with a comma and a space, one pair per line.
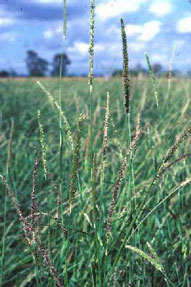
157, 68
39, 67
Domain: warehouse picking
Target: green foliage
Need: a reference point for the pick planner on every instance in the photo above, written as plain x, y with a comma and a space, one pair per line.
60, 62
76, 244
36, 66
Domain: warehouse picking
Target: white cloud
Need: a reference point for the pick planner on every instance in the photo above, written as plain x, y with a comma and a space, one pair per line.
145, 32
160, 8
184, 25
137, 46
150, 30
82, 48
50, 33
48, 1
6, 22
132, 30
112, 9
52, 2
8, 37
6, 19
159, 58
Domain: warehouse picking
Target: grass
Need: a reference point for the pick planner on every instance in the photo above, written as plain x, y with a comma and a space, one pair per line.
148, 215
94, 194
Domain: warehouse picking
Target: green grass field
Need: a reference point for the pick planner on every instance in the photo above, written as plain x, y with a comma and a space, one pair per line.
149, 243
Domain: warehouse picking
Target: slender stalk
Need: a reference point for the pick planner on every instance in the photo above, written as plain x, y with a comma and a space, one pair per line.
61, 138
5, 201
61, 144
27, 229
64, 20
152, 79
42, 143
91, 74
170, 72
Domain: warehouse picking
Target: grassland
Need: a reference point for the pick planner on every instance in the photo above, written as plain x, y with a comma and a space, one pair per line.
146, 211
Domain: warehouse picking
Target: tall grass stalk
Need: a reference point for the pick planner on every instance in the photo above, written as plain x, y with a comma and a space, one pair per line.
43, 145
126, 77
67, 127
44, 164
27, 229
91, 74
9, 147
126, 88
60, 101
119, 178
152, 79
76, 160
105, 140
130, 234
64, 19
34, 210
9, 150
170, 71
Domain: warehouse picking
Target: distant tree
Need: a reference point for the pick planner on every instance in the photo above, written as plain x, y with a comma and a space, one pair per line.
4, 74
135, 71
58, 60
12, 73
157, 68
173, 73
139, 69
117, 73
36, 66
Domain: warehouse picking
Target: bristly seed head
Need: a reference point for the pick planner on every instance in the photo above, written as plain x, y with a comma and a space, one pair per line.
105, 139
126, 77
42, 142
176, 145
34, 207
76, 157
91, 47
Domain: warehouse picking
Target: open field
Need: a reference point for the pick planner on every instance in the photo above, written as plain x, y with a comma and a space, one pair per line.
149, 244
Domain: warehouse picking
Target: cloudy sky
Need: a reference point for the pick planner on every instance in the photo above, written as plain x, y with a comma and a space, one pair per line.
158, 27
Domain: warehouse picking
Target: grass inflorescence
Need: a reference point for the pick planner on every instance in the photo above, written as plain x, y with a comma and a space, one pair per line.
126, 72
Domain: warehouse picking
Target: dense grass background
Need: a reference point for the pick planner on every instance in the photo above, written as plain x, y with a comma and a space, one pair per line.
78, 258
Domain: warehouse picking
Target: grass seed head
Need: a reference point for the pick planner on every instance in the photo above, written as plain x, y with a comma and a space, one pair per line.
76, 158
58, 107
34, 207
91, 45
152, 79
105, 139
176, 145
126, 76
42, 143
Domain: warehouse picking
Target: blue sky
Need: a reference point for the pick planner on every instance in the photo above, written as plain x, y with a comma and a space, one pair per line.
159, 27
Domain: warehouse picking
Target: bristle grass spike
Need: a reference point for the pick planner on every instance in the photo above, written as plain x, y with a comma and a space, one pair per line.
126, 74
